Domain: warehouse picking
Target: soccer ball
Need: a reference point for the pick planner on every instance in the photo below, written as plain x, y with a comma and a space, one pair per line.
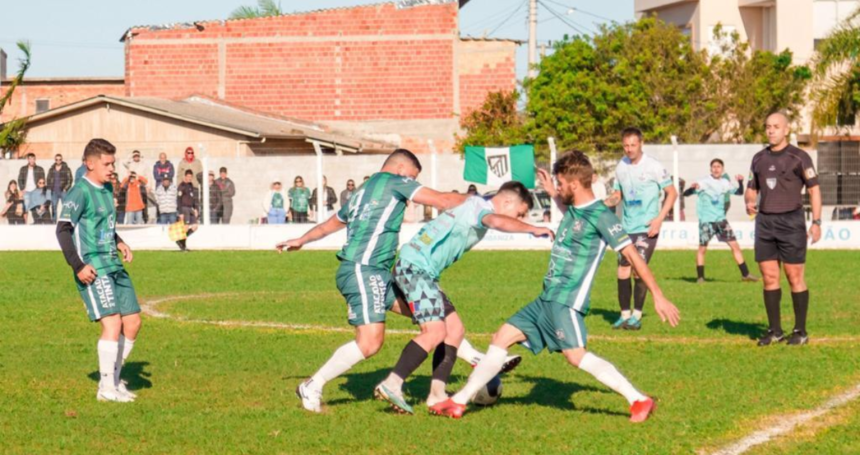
490, 393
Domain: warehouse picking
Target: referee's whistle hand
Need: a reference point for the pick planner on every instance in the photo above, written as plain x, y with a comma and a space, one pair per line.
751, 209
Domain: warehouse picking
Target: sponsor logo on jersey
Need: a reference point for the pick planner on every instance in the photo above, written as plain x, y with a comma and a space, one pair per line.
772, 168
615, 230
577, 226
104, 292
771, 183
377, 289
559, 334
71, 205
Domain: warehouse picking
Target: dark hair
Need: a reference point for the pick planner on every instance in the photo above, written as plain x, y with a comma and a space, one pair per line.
472, 187
223, 169
403, 154
98, 147
189, 172
31, 155
9, 187
717, 160
58, 156
575, 164
520, 190
631, 131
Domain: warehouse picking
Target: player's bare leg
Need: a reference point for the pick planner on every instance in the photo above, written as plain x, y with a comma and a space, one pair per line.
368, 341
741, 262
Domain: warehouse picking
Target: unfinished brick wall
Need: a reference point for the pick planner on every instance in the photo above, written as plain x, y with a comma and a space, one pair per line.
484, 67
58, 92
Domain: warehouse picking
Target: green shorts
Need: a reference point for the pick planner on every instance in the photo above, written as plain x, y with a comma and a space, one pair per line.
367, 290
421, 291
550, 325
110, 293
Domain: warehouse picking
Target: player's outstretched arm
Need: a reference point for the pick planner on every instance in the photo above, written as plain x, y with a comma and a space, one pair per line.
667, 311
438, 200
508, 224
548, 186
330, 226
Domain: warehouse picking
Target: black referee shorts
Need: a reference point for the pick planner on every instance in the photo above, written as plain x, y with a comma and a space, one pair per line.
781, 237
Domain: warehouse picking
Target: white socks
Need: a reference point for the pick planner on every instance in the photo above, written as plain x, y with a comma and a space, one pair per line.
626, 314
107, 361
468, 353
124, 347
485, 371
607, 374
340, 362
638, 314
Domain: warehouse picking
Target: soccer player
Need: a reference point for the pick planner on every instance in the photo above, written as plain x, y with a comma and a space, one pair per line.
86, 230
438, 245
372, 218
639, 180
711, 209
778, 175
555, 319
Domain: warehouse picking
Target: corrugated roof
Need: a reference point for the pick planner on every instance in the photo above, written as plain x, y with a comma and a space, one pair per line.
500, 40
213, 114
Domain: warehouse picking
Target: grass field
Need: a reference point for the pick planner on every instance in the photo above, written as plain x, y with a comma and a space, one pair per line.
207, 388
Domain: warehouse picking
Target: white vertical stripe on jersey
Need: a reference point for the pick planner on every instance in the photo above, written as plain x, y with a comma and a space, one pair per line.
585, 288
371, 245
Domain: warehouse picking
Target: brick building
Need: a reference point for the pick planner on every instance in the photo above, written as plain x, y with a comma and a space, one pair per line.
37, 95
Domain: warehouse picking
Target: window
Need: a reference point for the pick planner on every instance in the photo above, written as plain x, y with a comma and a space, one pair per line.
43, 105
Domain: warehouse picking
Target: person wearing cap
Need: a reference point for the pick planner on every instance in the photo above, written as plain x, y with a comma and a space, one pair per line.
274, 205
135, 165
190, 162
215, 199
228, 190
134, 188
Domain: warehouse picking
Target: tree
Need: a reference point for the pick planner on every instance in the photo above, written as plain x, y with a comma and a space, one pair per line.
495, 123
265, 8
836, 92
12, 133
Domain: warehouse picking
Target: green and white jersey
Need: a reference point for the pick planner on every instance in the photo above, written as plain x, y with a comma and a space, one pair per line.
277, 200
444, 240
299, 198
711, 201
640, 185
579, 245
373, 218
89, 207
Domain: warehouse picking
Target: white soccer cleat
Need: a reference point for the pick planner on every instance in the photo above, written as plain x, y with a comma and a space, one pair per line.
311, 398
121, 388
112, 394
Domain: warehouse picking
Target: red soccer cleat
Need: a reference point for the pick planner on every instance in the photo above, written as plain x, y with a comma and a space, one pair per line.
448, 408
642, 409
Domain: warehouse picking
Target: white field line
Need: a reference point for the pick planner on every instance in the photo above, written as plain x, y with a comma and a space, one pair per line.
789, 423
150, 308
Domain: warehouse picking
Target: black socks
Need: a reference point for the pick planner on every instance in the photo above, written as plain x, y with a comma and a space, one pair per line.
443, 362
771, 305
412, 357
800, 300
624, 294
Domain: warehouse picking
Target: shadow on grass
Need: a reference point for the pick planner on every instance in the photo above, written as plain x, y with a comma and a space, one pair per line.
133, 373
560, 395
609, 316
748, 329
695, 280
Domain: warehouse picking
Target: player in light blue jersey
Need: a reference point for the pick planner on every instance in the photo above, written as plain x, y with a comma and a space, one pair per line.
433, 249
639, 181
711, 210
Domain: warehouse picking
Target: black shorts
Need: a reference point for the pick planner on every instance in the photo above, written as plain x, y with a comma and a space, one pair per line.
644, 245
781, 237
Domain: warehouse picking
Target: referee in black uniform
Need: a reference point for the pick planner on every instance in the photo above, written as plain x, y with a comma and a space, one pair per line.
778, 174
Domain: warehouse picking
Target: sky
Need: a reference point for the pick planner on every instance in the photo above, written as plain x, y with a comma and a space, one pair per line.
81, 38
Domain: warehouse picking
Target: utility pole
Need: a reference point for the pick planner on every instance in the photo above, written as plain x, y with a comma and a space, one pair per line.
532, 38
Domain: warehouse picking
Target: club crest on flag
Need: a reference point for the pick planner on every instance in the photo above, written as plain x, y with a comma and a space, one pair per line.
498, 165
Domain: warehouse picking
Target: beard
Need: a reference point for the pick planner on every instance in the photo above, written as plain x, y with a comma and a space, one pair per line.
567, 199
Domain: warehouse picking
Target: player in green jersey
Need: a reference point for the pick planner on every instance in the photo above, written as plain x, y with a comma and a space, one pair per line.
86, 230
372, 218
555, 319
438, 245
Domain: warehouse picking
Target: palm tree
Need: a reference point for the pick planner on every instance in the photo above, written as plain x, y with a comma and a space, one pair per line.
265, 8
12, 133
836, 87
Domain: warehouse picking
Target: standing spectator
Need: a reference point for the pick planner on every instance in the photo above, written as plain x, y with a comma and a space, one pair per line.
162, 169
135, 165
40, 203
273, 205
215, 199
299, 199
366, 178
472, 190
346, 194
228, 190
190, 163
27, 178
188, 198
134, 188
14, 208
165, 198
118, 198
59, 181
330, 198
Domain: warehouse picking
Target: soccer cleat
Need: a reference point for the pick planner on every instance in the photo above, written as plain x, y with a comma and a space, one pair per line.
311, 398
642, 409
511, 363
798, 338
770, 338
700, 281
448, 408
619, 323
750, 279
121, 388
112, 394
398, 403
632, 323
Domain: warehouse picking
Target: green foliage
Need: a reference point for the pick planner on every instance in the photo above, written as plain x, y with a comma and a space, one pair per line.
495, 123
12, 133
264, 8
647, 74
836, 92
